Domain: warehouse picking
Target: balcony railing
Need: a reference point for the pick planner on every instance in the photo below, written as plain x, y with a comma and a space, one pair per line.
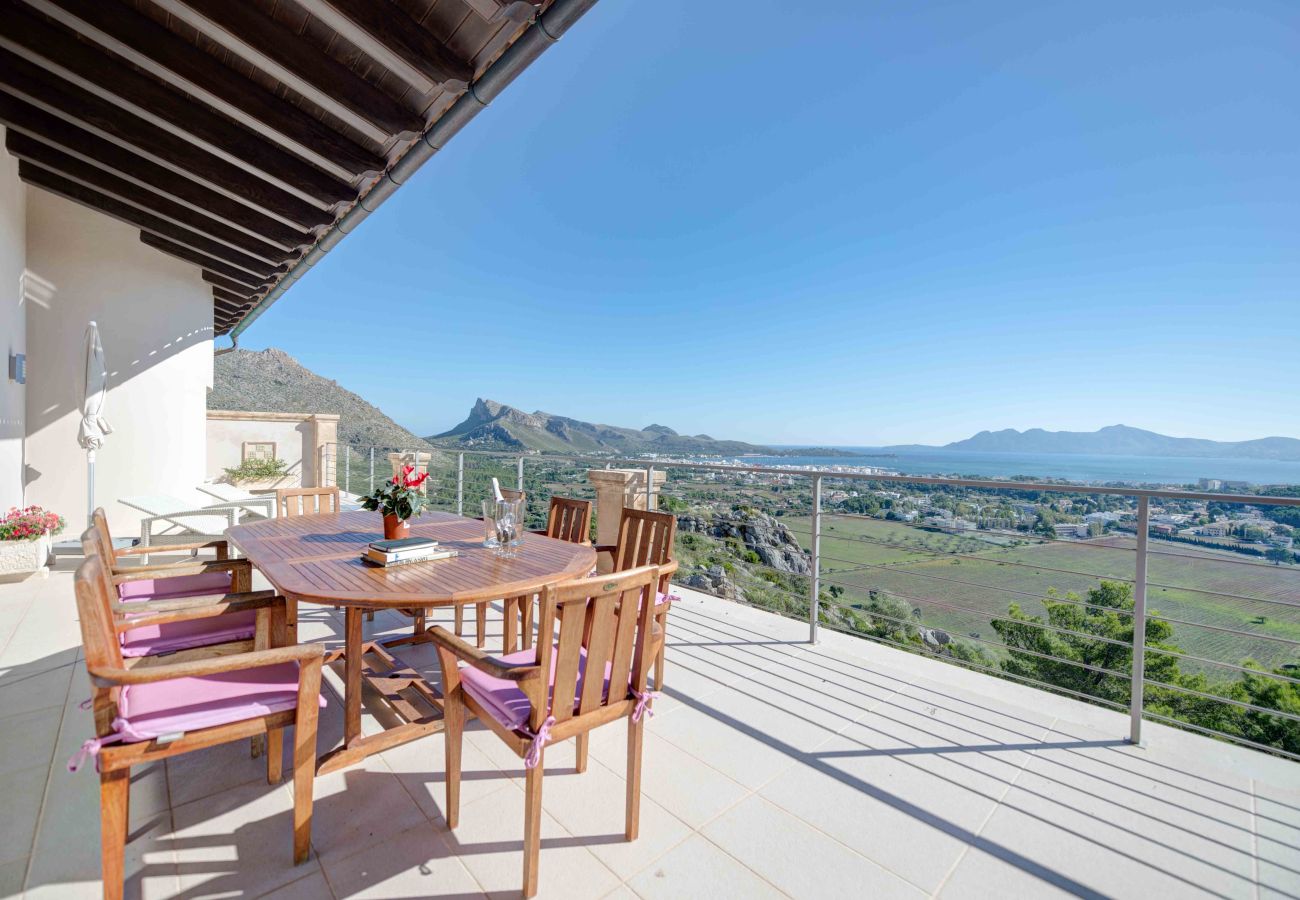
1203, 638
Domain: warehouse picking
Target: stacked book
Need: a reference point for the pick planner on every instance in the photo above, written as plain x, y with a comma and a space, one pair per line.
404, 551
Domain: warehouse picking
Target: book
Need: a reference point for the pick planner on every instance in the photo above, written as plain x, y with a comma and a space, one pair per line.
417, 553
398, 545
383, 561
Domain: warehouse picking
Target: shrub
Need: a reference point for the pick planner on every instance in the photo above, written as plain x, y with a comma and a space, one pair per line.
253, 469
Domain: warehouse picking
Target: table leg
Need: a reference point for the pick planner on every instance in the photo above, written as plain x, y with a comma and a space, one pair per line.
509, 624
352, 675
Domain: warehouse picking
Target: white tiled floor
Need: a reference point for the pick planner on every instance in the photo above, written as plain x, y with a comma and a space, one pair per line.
771, 768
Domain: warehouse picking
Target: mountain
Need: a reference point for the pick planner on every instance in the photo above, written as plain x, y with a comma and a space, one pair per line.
495, 426
273, 381
1120, 440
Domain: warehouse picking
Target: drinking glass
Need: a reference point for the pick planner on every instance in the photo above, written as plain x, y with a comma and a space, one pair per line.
509, 525
490, 524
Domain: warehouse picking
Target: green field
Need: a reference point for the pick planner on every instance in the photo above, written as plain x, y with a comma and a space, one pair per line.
924, 569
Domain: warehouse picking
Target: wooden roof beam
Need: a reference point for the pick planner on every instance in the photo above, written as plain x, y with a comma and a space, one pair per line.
71, 103
282, 53
83, 173
235, 287
53, 47
230, 298
495, 10
398, 42
124, 212
152, 47
24, 117
171, 248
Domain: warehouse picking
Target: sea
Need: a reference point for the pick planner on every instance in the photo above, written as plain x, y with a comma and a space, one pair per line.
1079, 467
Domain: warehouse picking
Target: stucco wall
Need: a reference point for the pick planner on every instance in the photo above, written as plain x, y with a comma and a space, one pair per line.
155, 319
13, 327
294, 438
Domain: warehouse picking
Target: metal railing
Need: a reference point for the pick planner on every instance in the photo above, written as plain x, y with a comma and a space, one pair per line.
459, 479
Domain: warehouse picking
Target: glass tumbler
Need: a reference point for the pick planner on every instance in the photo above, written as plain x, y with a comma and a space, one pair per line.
490, 524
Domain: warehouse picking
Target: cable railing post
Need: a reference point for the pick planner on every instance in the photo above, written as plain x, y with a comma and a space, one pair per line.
519, 474
347, 468
460, 484
1139, 618
649, 487
372, 468
815, 560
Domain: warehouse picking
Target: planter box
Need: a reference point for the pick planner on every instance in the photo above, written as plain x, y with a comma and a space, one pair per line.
18, 559
266, 484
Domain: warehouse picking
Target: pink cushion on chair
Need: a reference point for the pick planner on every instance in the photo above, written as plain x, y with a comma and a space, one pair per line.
175, 587
147, 711
151, 640
503, 700
661, 598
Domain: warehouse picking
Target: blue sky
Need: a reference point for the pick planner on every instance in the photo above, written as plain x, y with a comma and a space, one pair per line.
855, 223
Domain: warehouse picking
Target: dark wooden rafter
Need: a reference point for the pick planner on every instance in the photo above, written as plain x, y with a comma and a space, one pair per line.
240, 26
231, 298
495, 10
64, 99
217, 280
171, 58
74, 141
43, 43
407, 39
124, 212
226, 270
83, 173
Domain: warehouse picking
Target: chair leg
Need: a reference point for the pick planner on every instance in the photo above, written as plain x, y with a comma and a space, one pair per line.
113, 805
659, 667
274, 755
480, 621
635, 732
580, 751
532, 827
304, 758
453, 726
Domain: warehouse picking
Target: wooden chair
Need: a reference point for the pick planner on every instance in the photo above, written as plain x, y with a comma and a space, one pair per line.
150, 712
515, 695
567, 520
480, 609
307, 501
646, 538
316, 501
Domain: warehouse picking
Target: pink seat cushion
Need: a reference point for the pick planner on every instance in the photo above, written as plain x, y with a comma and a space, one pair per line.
661, 598
151, 640
503, 700
175, 587
147, 711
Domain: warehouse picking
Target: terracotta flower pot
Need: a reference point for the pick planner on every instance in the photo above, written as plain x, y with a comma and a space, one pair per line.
395, 528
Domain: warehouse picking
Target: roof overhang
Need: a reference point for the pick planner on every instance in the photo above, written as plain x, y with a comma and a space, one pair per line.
249, 137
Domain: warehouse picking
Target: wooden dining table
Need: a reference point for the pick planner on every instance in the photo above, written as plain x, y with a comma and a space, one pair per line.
317, 559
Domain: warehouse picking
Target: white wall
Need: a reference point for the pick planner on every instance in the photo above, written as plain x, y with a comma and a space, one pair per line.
294, 442
13, 328
155, 319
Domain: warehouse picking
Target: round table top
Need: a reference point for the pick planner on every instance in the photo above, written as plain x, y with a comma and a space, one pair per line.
317, 559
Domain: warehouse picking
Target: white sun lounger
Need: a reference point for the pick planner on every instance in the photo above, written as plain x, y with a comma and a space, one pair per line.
171, 520
229, 495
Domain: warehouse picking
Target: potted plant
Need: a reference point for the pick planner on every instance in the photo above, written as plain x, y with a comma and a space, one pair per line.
260, 474
25, 539
399, 499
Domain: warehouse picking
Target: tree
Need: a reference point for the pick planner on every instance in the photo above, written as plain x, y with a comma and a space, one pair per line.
1278, 555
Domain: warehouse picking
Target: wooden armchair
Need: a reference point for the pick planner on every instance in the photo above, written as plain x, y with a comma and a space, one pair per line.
646, 538
153, 711
533, 698
315, 501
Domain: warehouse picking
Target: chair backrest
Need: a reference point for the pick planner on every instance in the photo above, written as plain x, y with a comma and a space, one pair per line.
569, 520
99, 525
610, 617
307, 501
98, 635
645, 538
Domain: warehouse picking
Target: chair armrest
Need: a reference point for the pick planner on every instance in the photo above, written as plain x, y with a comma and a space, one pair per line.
164, 612
668, 568
123, 574
111, 676
220, 544
480, 659
605, 548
